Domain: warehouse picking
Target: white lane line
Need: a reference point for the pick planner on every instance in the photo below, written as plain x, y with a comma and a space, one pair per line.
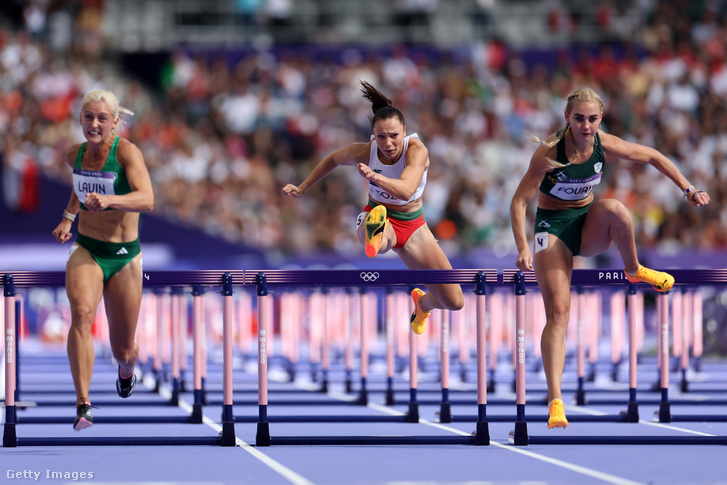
152, 483
606, 477
674, 428
593, 412
277, 467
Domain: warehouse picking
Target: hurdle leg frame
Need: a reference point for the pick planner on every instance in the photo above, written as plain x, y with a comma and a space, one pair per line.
482, 432
445, 407
632, 410
196, 416
228, 421
10, 438
581, 348
412, 416
519, 437
176, 345
663, 316
363, 397
262, 437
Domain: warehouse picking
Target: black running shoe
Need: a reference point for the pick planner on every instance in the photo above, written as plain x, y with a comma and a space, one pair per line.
84, 418
125, 386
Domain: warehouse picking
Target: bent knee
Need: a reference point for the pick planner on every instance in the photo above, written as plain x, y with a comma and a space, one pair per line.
617, 208
453, 301
124, 353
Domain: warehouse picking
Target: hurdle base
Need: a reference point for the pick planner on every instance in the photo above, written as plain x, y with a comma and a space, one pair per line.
413, 415
262, 438
581, 397
684, 386
581, 392
519, 437
591, 377
324, 386
664, 412
445, 413
196, 416
615, 371
490, 386
363, 398
227, 438
632, 412
482, 433
10, 438
290, 370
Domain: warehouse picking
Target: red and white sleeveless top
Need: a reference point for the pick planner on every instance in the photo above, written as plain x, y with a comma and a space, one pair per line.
392, 171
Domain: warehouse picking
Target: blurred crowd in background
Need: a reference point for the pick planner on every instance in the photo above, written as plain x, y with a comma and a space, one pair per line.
222, 138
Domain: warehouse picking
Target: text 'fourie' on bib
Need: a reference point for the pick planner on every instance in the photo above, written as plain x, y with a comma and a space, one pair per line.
575, 189
87, 181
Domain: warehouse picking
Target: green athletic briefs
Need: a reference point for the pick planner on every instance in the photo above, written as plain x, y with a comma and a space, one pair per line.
111, 257
565, 224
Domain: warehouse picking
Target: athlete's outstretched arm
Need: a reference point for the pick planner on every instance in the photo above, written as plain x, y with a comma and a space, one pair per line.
614, 148
353, 154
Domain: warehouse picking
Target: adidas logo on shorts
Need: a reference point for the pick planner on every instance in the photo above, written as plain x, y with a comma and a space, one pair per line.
122, 251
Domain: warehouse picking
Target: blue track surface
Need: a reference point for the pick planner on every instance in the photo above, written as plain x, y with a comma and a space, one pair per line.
118, 448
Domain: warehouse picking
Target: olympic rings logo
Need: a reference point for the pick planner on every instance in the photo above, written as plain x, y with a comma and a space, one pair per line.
369, 276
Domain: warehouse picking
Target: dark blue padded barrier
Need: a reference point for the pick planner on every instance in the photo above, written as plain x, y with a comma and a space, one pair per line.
370, 278
13, 280
598, 278
363, 278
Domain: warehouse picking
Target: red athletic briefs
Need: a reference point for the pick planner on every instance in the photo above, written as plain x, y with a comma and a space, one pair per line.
403, 223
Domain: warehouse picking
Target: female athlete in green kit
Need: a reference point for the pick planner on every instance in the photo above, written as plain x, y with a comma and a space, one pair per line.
568, 222
111, 186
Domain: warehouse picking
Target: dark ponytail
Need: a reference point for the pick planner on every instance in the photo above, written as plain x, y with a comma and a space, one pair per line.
380, 104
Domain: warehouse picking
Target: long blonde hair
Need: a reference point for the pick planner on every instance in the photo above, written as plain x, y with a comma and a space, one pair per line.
581, 95
118, 112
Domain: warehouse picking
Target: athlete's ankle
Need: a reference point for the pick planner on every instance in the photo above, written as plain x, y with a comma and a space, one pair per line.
421, 306
632, 273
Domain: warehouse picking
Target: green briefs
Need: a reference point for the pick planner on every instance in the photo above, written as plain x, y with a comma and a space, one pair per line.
111, 257
565, 224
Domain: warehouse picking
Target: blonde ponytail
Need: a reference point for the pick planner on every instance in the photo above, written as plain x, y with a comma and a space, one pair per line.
552, 163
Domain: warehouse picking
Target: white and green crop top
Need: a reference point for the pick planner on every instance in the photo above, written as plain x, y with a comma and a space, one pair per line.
394, 172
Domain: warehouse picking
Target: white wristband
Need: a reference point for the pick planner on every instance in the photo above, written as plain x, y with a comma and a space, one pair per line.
69, 216
688, 190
